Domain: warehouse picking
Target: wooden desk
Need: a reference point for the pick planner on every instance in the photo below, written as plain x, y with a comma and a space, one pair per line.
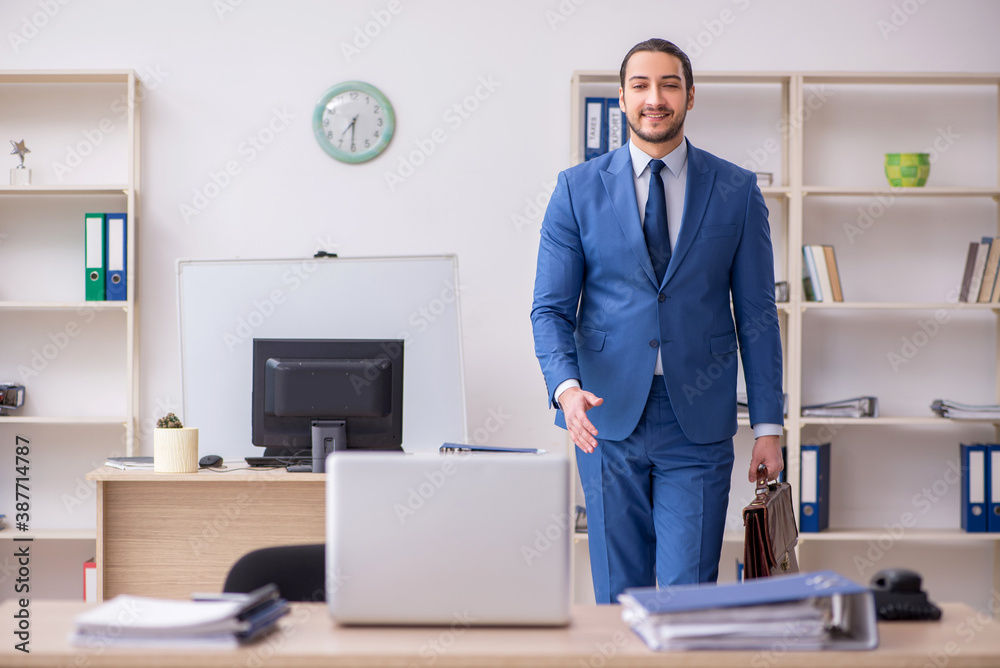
170, 534
597, 637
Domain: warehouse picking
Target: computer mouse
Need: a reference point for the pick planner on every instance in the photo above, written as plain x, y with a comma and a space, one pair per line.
210, 461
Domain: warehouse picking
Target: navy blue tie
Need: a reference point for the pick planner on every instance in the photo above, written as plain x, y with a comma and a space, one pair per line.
655, 223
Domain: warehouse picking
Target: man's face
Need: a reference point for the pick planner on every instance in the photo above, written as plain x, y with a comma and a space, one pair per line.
653, 99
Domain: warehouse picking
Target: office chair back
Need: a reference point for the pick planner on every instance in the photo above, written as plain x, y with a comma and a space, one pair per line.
298, 570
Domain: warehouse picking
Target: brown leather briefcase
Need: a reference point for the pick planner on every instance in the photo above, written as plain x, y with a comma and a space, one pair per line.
771, 532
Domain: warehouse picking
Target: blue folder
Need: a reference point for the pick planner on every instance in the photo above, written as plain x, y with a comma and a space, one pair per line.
116, 239
974, 492
595, 129
777, 589
993, 487
814, 488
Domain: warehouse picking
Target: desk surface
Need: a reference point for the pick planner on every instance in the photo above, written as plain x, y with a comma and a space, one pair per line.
597, 637
238, 471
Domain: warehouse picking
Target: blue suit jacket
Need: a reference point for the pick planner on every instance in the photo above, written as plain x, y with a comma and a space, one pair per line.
599, 315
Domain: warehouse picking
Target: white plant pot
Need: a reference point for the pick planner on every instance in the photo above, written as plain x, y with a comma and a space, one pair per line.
175, 450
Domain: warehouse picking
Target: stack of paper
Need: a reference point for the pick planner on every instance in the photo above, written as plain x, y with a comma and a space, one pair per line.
956, 411
855, 407
225, 621
805, 611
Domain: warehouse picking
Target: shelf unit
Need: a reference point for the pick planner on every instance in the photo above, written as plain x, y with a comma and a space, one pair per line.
41, 107
787, 201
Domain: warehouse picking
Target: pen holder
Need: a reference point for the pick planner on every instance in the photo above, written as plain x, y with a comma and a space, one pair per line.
175, 450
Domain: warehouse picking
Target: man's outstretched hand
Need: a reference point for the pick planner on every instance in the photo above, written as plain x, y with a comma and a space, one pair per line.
575, 403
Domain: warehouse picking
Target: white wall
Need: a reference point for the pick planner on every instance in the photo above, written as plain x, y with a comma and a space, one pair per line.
216, 74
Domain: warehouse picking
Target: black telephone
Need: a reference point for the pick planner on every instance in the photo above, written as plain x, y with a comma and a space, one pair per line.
898, 596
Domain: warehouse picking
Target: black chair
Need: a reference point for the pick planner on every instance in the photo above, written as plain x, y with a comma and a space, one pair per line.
298, 570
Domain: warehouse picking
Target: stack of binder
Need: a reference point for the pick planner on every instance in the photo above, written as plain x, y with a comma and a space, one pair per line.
221, 620
106, 253
855, 407
605, 126
980, 487
953, 410
805, 611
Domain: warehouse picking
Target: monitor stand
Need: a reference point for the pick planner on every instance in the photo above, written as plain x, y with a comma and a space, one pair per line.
327, 436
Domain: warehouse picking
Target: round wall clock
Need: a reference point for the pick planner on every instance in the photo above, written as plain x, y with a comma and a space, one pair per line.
354, 122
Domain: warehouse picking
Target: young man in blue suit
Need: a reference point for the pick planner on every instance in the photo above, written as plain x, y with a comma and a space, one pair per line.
641, 251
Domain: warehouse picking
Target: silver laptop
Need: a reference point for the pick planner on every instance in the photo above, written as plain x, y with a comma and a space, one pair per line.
457, 540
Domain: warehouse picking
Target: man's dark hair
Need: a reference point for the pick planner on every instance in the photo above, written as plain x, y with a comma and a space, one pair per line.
663, 46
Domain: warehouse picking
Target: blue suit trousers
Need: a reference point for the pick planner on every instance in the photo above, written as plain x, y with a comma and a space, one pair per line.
656, 503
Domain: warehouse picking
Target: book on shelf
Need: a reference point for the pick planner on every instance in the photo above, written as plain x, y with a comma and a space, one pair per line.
974, 278
990, 272
820, 275
804, 611
954, 410
855, 407
219, 620
3, 521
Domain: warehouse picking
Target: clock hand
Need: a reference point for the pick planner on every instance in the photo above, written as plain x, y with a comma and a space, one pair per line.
350, 126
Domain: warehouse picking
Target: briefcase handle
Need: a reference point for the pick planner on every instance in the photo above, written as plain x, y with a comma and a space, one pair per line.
763, 484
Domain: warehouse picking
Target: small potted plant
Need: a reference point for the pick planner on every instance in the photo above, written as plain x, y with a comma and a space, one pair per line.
175, 447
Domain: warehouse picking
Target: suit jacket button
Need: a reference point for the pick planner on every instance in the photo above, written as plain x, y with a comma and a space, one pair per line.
653, 343
661, 298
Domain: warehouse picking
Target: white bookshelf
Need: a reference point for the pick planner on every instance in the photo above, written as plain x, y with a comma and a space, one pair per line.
43, 235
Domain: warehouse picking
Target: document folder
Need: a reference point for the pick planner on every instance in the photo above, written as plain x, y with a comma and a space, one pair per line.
974, 487
993, 487
814, 488
596, 131
756, 614
117, 253
616, 123
94, 251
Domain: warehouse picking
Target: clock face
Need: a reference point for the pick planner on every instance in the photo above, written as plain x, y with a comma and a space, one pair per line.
354, 122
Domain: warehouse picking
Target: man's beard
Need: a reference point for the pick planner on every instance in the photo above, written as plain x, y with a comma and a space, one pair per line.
665, 135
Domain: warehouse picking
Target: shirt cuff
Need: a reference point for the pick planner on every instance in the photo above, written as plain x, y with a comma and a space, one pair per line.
562, 387
766, 429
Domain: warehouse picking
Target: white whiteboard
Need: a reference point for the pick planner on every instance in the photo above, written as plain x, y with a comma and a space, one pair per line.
225, 304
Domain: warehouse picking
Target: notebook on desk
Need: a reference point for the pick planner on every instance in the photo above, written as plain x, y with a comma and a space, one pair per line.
448, 539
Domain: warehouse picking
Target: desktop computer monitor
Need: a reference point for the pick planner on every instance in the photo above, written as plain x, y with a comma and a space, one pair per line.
314, 396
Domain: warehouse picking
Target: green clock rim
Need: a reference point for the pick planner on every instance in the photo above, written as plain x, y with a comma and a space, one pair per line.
368, 89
